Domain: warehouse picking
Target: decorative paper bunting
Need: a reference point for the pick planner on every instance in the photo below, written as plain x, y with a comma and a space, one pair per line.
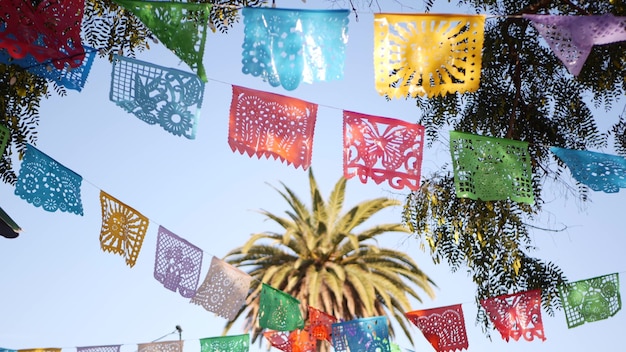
45, 183
266, 124
590, 300
601, 172
177, 263
443, 327
109, 348
289, 46
48, 32
70, 78
366, 334
427, 54
237, 343
40, 350
516, 315
382, 149
320, 324
571, 38
224, 289
292, 341
278, 310
181, 26
166, 346
123, 228
158, 95
489, 168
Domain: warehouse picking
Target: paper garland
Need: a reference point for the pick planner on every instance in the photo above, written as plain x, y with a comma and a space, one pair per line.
45, 183
590, 300
291, 341
286, 47
165, 346
320, 324
365, 334
427, 54
235, 343
157, 95
443, 327
123, 228
278, 310
109, 348
224, 289
382, 149
489, 168
272, 125
516, 315
177, 263
181, 26
601, 172
571, 38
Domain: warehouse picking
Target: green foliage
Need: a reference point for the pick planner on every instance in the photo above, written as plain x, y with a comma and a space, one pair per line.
525, 94
322, 259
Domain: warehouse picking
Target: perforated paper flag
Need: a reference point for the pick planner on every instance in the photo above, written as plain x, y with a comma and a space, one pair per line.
166, 346
49, 31
158, 95
180, 26
571, 38
123, 228
427, 54
236, 343
489, 168
601, 172
108, 348
443, 327
365, 334
289, 46
320, 324
70, 78
40, 350
46, 183
516, 315
278, 310
272, 125
291, 341
382, 149
177, 263
224, 289
590, 300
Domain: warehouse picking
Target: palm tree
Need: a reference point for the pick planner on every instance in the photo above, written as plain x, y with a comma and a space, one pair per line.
323, 260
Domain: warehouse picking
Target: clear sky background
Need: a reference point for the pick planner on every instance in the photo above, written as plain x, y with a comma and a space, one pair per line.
59, 289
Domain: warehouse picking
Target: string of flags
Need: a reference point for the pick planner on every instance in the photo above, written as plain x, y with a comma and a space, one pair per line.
419, 54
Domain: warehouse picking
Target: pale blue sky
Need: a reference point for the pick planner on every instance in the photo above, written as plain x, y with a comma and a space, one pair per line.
59, 289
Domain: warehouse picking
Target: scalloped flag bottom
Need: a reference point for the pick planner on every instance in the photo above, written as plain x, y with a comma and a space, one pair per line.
48, 32
70, 78
272, 125
224, 289
443, 327
279, 310
123, 229
177, 263
590, 300
489, 168
157, 95
382, 149
108, 348
180, 26
516, 315
365, 334
320, 324
235, 343
600, 172
45, 183
291, 341
288, 46
572, 38
426, 54
166, 346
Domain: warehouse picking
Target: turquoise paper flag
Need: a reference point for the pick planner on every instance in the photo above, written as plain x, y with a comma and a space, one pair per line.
590, 300
279, 311
601, 172
366, 334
